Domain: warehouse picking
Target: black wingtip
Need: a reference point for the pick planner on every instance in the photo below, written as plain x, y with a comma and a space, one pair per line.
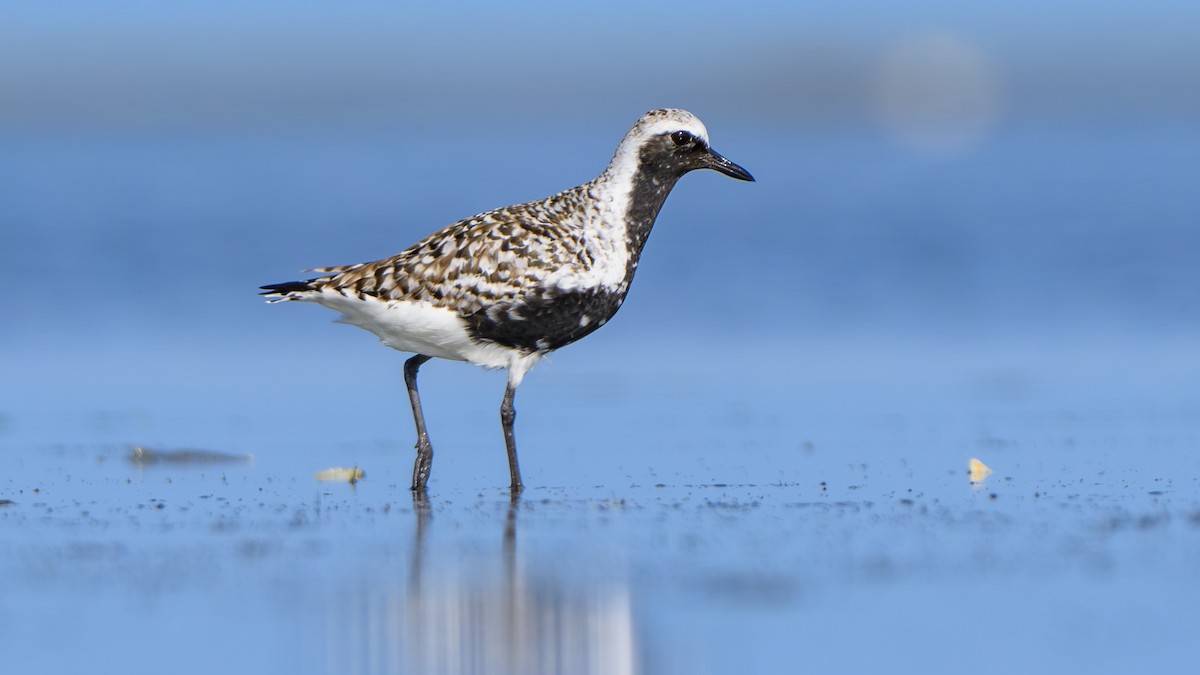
285, 288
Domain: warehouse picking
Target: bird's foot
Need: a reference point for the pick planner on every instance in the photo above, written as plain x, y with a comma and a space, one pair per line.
422, 465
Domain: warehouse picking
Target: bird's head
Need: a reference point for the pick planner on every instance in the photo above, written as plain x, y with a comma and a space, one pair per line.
673, 142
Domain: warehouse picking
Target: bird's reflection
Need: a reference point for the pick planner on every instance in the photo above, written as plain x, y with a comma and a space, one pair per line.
504, 619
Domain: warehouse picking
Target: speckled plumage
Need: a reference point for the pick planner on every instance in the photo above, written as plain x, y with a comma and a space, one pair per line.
503, 288
491, 268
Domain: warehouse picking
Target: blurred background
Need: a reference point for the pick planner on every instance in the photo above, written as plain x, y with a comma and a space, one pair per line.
988, 198
976, 230
927, 171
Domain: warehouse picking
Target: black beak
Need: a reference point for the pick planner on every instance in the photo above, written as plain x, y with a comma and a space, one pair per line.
713, 160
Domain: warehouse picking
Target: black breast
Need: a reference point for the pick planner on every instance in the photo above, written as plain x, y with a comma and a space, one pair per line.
549, 319
545, 321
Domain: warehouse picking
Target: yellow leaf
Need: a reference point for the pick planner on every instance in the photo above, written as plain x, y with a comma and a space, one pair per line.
341, 474
978, 471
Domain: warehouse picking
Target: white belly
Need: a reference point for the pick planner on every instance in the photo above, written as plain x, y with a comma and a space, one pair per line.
418, 328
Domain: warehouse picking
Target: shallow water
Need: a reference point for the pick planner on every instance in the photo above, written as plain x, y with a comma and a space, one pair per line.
711, 535
759, 466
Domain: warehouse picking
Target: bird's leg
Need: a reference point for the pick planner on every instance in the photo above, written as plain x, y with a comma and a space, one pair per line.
508, 415
424, 449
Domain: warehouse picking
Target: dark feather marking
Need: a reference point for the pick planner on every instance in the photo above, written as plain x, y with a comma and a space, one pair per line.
548, 320
287, 287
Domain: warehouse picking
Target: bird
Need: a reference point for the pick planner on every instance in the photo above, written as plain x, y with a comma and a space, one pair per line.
506, 287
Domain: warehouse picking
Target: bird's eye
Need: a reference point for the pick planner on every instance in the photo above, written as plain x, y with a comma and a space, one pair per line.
681, 137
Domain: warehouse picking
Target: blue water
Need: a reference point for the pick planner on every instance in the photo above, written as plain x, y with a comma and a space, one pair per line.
760, 463
758, 466
135, 261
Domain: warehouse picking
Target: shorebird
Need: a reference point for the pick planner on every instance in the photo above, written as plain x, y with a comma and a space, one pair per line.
506, 287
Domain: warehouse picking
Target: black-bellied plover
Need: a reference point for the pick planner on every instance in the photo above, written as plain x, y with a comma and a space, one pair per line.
504, 288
